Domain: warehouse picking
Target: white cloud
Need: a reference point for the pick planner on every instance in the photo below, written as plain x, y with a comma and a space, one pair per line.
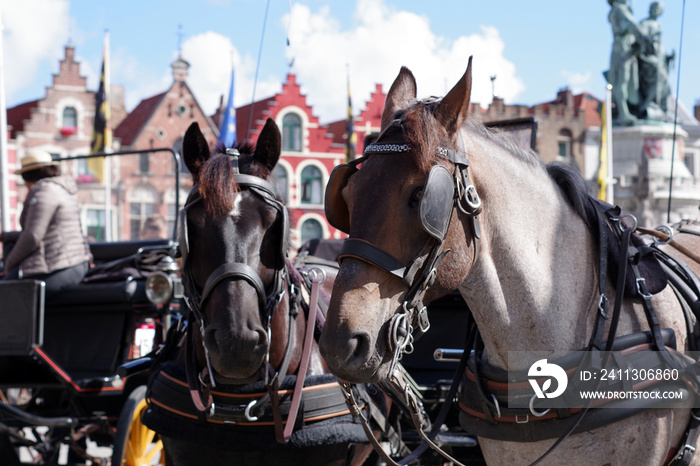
381, 40
210, 55
32, 28
577, 81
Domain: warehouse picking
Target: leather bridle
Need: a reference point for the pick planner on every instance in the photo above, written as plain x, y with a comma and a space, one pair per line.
419, 275
200, 384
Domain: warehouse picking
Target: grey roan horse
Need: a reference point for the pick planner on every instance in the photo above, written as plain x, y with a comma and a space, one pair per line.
520, 253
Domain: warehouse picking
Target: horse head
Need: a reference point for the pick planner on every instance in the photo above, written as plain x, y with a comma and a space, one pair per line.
233, 237
408, 205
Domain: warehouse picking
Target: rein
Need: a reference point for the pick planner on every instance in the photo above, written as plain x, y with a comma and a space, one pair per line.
665, 235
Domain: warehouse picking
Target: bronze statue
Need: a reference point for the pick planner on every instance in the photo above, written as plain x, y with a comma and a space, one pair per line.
638, 66
653, 67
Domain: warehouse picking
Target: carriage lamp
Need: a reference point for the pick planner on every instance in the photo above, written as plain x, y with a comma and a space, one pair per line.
159, 288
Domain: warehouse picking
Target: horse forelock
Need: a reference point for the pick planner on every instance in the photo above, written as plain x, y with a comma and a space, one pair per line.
423, 132
217, 186
216, 183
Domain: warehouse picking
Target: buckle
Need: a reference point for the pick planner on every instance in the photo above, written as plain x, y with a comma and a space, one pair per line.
642, 288
423, 320
602, 304
684, 449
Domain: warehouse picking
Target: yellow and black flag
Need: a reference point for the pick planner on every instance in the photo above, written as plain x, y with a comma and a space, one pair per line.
351, 137
102, 130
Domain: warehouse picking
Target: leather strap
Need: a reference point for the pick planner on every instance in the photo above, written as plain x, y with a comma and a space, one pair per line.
368, 252
305, 356
234, 270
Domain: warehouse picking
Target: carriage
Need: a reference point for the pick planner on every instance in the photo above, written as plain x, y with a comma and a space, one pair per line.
70, 366
370, 334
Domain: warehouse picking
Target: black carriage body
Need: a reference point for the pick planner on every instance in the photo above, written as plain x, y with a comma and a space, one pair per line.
78, 339
60, 357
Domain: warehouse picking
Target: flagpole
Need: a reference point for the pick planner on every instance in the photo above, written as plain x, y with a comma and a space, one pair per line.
108, 143
4, 160
610, 194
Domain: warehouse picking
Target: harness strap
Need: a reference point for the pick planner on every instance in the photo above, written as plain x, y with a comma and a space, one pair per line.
400, 390
368, 252
596, 341
316, 280
322, 400
689, 442
668, 239
234, 270
199, 392
273, 385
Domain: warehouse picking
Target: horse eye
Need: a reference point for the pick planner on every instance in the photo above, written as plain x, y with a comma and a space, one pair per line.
416, 197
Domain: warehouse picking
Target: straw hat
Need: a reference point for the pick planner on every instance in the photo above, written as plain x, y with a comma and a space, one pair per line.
35, 158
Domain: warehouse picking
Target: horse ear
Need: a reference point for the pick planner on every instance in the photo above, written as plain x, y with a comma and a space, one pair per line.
454, 106
269, 146
401, 93
195, 150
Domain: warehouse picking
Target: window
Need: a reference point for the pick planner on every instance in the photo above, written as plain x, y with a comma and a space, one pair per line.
291, 132
564, 145
82, 167
144, 163
311, 186
311, 229
690, 161
70, 118
281, 181
142, 203
95, 223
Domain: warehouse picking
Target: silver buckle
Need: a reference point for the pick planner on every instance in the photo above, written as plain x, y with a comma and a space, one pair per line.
602, 303
641, 282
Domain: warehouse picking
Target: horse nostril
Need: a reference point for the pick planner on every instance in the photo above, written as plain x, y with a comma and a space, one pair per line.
263, 339
359, 350
346, 352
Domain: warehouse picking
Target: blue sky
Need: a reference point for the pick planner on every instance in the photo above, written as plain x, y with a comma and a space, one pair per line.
534, 48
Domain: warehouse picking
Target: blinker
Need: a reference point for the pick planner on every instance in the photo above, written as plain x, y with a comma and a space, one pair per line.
336, 209
435, 209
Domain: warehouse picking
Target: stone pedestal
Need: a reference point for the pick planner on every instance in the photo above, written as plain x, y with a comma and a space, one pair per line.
642, 167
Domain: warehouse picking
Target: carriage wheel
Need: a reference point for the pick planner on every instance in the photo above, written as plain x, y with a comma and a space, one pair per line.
136, 444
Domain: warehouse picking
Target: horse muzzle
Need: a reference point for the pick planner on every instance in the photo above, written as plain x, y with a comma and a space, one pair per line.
239, 355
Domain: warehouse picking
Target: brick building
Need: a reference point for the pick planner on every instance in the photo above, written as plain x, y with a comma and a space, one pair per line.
310, 150
144, 184
562, 126
61, 123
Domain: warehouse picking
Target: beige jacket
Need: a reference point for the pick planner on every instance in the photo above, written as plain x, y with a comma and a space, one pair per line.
51, 238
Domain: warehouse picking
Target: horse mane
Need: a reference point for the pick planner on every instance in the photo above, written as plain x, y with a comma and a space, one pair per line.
573, 186
423, 132
216, 184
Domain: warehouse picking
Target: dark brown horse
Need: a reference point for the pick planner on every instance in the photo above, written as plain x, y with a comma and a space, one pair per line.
440, 203
227, 397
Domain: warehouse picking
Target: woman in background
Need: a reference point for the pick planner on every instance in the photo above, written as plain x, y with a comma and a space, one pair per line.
51, 246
